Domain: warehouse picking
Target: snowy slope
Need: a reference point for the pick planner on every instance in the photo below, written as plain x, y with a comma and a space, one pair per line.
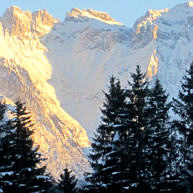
85, 50
55, 66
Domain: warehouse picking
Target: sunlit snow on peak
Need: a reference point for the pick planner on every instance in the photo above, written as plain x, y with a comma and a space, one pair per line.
149, 17
23, 23
93, 14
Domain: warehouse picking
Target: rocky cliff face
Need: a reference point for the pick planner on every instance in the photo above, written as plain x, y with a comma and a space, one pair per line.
53, 65
24, 74
24, 23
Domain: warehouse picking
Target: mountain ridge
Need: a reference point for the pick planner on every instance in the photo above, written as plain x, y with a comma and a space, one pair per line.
25, 71
78, 14
54, 65
96, 50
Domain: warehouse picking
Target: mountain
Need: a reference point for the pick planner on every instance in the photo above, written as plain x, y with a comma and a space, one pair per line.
89, 46
24, 74
58, 68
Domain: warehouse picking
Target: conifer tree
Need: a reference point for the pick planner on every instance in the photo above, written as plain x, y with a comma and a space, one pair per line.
158, 140
6, 140
25, 173
68, 182
129, 143
101, 179
138, 116
118, 151
183, 107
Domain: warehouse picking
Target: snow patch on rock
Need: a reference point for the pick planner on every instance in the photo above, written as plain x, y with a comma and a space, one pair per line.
92, 14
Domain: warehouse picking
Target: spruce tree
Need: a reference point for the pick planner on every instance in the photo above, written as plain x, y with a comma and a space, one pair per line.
26, 174
158, 140
68, 182
119, 148
137, 121
6, 140
183, 107
103, 164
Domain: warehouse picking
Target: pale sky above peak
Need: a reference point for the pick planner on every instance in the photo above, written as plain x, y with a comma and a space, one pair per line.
124, 11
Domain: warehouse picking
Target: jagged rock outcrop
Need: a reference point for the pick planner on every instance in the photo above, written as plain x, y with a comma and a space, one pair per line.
24, 75
25, 23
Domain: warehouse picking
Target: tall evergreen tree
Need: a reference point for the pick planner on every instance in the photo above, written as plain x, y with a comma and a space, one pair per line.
6, 141
158, 140
101, 161
138, 112
128, 144
68, 182
24, 175
118, 151
183, 107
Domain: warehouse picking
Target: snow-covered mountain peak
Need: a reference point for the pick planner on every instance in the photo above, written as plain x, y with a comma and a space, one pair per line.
180, 12
15, 10
23, 23
44, 18
153, 14
79, 14
151, 17
16, 21
54, 65
145, 28
148, 19
42, 22
162, 24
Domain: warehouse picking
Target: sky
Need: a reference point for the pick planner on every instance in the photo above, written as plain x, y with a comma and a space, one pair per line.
124, 11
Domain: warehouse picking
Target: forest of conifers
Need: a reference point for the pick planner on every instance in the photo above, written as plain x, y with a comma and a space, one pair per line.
143, 144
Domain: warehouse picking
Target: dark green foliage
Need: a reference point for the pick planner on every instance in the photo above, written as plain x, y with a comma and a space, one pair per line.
158, 158
134, 147
23, 158
118, 153
6, 140
137, 123
137, 96
101, 160
2, 110
68, 182
183, 107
